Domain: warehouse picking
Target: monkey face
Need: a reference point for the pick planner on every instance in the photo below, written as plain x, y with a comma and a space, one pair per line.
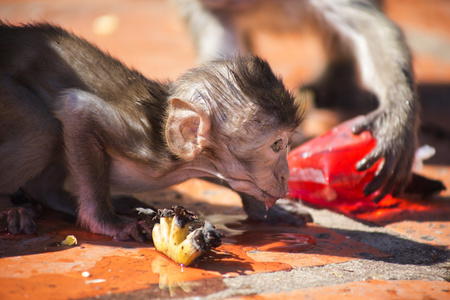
234, 121
257, 165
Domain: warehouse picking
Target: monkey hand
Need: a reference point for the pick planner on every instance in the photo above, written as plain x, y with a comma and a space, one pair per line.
171, 236
288, 212
396, 142
284, 211
18, 220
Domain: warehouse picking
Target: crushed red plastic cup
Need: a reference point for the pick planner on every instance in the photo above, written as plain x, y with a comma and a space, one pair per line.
323, 170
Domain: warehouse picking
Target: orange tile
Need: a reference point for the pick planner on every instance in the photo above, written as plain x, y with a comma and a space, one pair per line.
432, 232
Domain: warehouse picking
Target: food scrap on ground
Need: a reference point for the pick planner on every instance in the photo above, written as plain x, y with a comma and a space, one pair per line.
69, 241
175, 236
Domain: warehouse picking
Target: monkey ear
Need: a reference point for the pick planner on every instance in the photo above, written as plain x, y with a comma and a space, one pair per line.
187, 129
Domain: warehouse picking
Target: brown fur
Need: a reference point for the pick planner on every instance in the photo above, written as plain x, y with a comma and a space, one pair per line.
77, 125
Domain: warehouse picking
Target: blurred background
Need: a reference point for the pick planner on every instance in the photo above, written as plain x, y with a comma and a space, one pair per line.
149, 36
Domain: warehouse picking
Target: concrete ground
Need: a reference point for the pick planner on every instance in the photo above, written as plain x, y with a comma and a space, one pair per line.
394, 252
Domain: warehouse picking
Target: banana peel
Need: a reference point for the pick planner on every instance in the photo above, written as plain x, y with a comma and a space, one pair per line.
173, 235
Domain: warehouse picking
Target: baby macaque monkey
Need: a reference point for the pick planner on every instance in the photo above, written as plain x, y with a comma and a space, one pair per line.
76, 126
363, 48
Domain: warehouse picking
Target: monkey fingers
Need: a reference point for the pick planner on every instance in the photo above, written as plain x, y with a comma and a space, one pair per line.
368, 123
287, 212
131, 230
17, 220
147, 218
171, 236
381, 176
392, 179
397, 151
387, 176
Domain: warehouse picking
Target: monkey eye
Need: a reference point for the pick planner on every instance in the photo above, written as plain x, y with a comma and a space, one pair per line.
289, 141
277, 146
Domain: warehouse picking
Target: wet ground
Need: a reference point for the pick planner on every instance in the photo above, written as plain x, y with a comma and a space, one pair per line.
396, 252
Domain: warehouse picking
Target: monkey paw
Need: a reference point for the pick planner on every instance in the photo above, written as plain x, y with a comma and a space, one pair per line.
284, 211
139, 228
396, 144
18, 220
171, 236
128, 230
288, 212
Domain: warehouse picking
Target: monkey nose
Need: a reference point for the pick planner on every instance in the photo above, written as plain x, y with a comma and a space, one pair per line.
284, 178
286, 174
284, 186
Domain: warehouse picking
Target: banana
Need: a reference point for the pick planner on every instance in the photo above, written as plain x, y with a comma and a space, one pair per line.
171, 236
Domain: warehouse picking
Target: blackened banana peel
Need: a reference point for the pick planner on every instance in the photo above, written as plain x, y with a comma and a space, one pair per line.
173, 235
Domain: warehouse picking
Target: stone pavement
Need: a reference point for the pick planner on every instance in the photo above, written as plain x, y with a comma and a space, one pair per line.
395, 252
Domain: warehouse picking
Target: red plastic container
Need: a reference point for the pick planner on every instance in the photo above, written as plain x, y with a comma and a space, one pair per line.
323, 170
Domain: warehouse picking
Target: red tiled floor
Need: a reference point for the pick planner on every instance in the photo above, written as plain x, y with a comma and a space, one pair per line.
435, 233
51, 271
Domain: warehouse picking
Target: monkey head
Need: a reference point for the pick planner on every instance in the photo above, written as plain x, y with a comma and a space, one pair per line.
234, 119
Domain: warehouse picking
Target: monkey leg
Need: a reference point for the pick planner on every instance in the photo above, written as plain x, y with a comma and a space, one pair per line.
89, 165
48, 189
21, 219
28, 135
95, 210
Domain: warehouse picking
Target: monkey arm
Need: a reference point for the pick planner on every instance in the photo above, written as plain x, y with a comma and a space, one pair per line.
378, 49
89, 163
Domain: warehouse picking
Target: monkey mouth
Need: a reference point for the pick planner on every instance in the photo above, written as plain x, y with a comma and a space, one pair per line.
246, 186
270, 200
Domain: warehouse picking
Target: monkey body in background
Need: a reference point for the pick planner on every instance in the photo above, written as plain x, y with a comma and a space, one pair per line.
76, 126
363, 48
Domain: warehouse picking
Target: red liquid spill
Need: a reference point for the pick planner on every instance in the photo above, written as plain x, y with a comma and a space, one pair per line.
323, 170
286, 242
269, 239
